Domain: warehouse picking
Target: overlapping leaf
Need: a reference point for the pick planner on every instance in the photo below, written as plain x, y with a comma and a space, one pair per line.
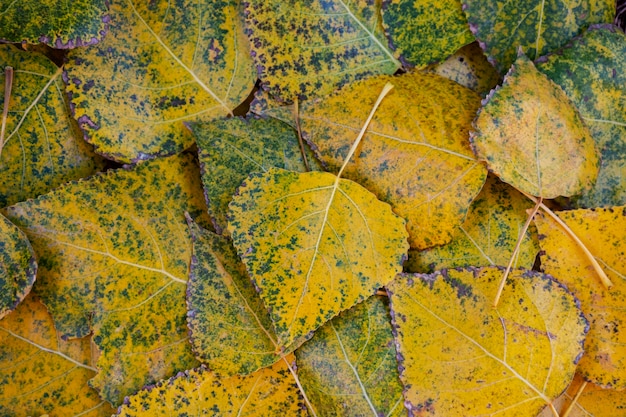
539, 26
161, 64
592, 72
419, 133
114, 254
488, 235
461, 357
532, 138
42, 146
308, 48
42, 373
314, 245
60, 24
267, 392
425, 31
349, 367
603, 231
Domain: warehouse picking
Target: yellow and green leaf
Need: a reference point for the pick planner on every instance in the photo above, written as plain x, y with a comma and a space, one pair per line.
460, 356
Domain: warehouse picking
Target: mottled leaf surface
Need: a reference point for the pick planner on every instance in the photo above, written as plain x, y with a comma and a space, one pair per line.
538, 26
532, 137
267, 392
60, 24
230, 149
114, 253
349, 367
42, 146
487, 236
460, 356
308, 48
603, 231
592, 72
422, 32
419, 132
161, 63
18, 266
230, 329
40, 373
314, 245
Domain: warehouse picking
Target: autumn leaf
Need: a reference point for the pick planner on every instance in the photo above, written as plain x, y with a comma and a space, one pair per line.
43, 373
532, 138
603, 231
160, 65
114, 253
459, 356
349, 367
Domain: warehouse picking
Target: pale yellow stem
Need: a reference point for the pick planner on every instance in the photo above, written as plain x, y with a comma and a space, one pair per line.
8, 86
296, 116
576, 397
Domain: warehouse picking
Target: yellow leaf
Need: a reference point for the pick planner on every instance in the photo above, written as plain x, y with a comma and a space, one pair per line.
459, 356
603, 231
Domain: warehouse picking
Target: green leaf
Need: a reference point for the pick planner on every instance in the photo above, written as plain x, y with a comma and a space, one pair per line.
42, 146
18, 266
161, 64
420, 130
314, 245
60, 24
538, 26
349, 367
309, 48
114, 254
231, 149
460, 356
230, 330
592, 72
425, 31
532, 137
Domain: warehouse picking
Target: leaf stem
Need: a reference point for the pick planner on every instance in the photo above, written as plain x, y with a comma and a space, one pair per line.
8, 86
295, 377
570, 407
296, 111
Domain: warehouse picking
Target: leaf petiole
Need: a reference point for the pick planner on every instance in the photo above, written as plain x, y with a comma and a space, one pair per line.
8, 86
575, 399
296, 114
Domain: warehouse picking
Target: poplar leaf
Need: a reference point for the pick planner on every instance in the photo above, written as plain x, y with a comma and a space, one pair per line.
160, 64
113, 256
603, 232
532, 137
460, 356
314, 245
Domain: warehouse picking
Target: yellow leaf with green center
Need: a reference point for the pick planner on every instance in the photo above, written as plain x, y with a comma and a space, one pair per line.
42, 146
349, 367
603, 232
43, 373
592, 72
460, 356
532, 137
114, 253
314, 245
161, 64
425, 31
419, 132
538, 26
267, 392
309, 48
487, 236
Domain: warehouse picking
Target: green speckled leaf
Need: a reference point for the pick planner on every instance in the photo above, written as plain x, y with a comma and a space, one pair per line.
488, 235
349, 367
308, 48
231, 149
114, 253
58, 23
230, 329
314, 244
18, 267
538, 26
425, 31
162, 63
43, 147
592, 72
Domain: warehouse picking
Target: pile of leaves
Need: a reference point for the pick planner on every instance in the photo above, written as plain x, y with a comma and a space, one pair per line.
313, 207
